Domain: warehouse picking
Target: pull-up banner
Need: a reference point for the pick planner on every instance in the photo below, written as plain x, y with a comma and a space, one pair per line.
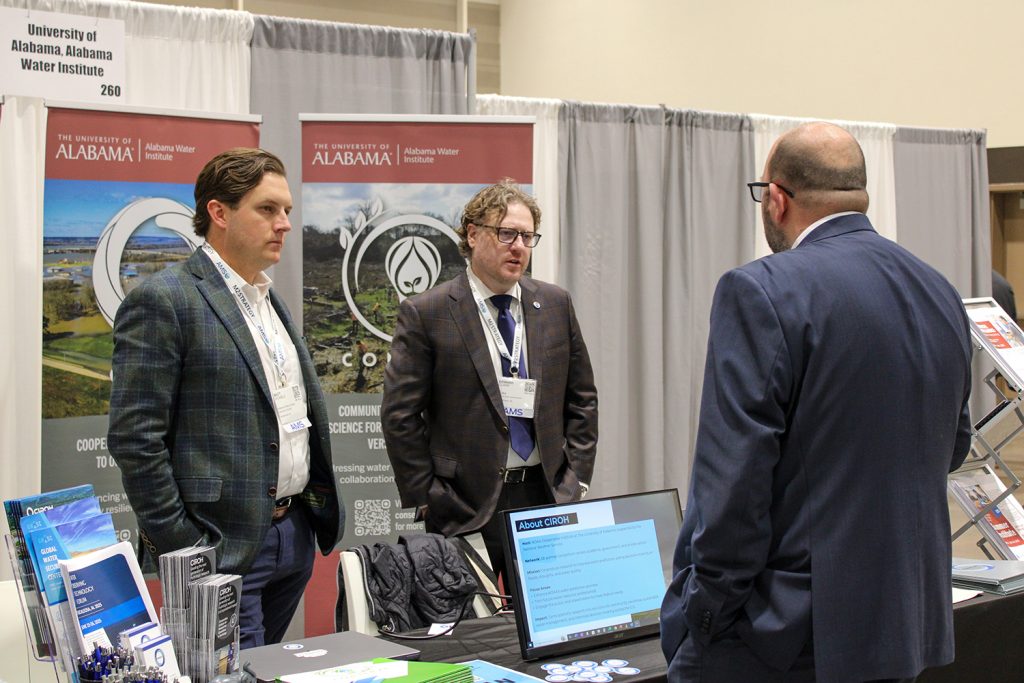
381, 197
118, 208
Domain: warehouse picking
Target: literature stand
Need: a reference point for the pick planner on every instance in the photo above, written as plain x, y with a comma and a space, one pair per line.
1003, 341
34, 615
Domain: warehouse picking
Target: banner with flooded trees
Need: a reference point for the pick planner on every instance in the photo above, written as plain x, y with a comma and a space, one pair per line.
117, 208
381, 198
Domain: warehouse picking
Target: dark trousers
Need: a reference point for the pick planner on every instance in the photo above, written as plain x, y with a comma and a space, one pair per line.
272, 588
522, 495
730, 660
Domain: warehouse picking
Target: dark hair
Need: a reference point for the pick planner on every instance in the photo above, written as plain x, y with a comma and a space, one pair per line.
493, 198
228, 177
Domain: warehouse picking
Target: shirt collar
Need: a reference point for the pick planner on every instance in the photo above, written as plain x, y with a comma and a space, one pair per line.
258, 290
807, 231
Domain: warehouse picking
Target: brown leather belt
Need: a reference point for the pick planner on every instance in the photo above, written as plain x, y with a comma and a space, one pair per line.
281, 507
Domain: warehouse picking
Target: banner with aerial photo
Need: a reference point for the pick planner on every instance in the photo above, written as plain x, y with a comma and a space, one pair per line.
118, 207
381, 198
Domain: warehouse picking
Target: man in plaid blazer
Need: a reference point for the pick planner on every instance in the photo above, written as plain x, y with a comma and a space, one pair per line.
217, 420
463, 372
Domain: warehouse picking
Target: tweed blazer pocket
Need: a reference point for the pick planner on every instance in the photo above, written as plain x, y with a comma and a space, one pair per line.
200, 489
445, 467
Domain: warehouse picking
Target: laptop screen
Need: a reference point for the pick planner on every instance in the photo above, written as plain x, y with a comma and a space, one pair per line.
589, 573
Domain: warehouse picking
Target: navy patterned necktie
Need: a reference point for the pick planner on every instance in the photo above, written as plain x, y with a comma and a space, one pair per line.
520, 428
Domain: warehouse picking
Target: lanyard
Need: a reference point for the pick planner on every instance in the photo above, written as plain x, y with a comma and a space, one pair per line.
234, 284
499, 341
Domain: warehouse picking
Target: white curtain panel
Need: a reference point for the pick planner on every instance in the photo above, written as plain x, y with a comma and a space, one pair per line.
545, 171
22, 140
178, 58
175, 57
876, 139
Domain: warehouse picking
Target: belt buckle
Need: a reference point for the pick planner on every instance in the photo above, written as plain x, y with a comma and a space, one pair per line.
515, 475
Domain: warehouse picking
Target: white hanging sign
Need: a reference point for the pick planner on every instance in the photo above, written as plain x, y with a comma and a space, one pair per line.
64, 56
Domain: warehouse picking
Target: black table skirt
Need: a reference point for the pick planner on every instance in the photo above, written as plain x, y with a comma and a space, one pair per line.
989, 646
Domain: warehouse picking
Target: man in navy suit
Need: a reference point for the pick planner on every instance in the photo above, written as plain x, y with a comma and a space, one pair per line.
816, 539
217, 420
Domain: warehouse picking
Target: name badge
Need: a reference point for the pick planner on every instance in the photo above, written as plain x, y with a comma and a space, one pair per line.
291, 409
517, 396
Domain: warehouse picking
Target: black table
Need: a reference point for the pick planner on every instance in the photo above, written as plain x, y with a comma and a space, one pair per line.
494, 639
989, 646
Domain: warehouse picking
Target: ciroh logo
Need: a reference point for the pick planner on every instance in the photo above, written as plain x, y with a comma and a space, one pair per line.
412, 264
106, 266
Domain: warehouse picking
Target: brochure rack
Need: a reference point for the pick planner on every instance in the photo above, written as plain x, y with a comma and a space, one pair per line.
33, 616
1003, 341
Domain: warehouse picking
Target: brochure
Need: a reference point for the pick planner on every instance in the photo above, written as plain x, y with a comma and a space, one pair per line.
1003, 525
109, 594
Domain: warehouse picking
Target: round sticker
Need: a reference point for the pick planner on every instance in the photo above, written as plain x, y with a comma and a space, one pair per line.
558, 678
573, 669
601, 678
552, 665
602, 669
584, 664
615, 663
627, 670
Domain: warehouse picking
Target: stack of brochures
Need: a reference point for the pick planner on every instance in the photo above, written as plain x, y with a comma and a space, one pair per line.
1002, 577
42, 641
1002, 524
390, 670
214, 603
179, 569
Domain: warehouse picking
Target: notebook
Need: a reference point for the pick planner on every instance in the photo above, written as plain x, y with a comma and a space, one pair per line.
269, 662
567, 566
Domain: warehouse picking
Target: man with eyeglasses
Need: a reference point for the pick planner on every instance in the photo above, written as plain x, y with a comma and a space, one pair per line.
489, 397
815, 545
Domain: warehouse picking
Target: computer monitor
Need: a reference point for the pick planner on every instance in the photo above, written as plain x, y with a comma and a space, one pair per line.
588, 573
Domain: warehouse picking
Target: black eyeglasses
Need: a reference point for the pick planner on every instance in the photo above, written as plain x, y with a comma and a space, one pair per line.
509, 235
757, 190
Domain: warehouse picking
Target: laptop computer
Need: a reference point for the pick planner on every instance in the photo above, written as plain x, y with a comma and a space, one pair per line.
269, 662
586, 574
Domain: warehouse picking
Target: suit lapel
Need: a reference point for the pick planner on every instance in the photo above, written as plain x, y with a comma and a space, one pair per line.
532, 314
211, 285
467, 319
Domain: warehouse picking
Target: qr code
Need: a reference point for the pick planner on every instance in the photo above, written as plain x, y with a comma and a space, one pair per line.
373, 517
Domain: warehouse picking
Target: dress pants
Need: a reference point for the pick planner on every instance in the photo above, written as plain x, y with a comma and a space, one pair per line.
272, 588
521, 495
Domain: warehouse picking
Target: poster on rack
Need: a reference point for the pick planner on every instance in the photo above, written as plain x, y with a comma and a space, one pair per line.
381, 199
117, 208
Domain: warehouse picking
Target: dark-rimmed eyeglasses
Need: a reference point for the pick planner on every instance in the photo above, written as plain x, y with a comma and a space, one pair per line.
757, 190
509, 235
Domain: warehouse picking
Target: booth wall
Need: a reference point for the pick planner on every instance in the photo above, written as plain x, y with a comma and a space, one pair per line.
935, 63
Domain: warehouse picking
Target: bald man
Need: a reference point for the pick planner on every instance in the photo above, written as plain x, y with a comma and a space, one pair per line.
815, 545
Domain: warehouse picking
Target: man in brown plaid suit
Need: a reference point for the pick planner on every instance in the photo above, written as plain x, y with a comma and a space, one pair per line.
217, 420
489, 397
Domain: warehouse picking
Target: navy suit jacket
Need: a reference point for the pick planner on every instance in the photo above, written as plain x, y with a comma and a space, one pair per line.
444, 424
834, 405
192, 422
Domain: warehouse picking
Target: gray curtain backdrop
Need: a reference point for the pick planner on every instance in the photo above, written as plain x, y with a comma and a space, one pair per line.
942, 209
942, 205
647, 229
313, 67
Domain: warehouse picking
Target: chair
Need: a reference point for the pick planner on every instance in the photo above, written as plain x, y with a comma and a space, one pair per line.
352, 613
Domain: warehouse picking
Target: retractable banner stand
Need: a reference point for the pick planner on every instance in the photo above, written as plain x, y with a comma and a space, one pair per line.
118, 208
381, 198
